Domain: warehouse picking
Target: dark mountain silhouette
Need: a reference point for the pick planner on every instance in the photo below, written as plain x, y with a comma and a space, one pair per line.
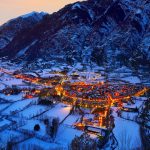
103, 32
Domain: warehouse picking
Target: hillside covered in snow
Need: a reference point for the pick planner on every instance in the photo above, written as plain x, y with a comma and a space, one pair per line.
110, 33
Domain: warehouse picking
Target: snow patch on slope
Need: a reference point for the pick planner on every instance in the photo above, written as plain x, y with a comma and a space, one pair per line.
75, 6
36, 15
23, 51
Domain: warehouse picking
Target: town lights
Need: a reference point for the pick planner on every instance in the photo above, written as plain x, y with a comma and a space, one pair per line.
94, 94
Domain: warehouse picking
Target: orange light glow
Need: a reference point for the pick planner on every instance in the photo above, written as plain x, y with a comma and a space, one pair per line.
97, 96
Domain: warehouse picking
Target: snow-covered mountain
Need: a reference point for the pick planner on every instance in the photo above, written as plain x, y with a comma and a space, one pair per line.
103, 32
12, 28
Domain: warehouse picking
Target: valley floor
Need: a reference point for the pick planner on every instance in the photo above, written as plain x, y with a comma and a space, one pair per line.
19, 115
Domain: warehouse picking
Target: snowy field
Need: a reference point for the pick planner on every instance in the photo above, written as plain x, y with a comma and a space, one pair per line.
138, 104
12, 98
70, 120
30, 126
66, 134
132, 79
2, 86
129, 115
8, 80
32, 111
4, 123
18, 106
60, 110
126, 132
28, 144
8, 135
3, 106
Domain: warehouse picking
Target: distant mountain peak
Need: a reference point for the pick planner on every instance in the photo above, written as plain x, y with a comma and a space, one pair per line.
38, 15
76, 5
13, 27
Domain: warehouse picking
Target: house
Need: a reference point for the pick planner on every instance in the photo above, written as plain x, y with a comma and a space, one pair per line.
98, 130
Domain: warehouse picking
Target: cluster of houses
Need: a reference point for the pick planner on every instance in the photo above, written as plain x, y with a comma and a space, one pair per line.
97, 96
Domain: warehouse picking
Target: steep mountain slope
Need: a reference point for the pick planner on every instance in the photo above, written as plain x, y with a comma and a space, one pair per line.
103, 32
12, 28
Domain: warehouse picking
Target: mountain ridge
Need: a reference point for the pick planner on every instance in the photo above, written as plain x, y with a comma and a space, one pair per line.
112, 33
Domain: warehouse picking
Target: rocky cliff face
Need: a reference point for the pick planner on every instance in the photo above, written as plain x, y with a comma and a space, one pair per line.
102, 32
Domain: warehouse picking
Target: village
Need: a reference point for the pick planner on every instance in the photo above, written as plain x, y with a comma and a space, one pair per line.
41, 107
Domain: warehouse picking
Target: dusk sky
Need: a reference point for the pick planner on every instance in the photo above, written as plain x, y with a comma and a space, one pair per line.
12, 8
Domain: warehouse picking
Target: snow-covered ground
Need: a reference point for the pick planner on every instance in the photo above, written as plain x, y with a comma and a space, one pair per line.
132, 79
18, 106
12, 98
30, 126
66, 134
129, 115
137, 104
70, 120
32, 111
60, 110
2, 86
127, 133
4, 122
28, 144
8, 80
3, 106
13, 81
23, 51
8, 135
141, 98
